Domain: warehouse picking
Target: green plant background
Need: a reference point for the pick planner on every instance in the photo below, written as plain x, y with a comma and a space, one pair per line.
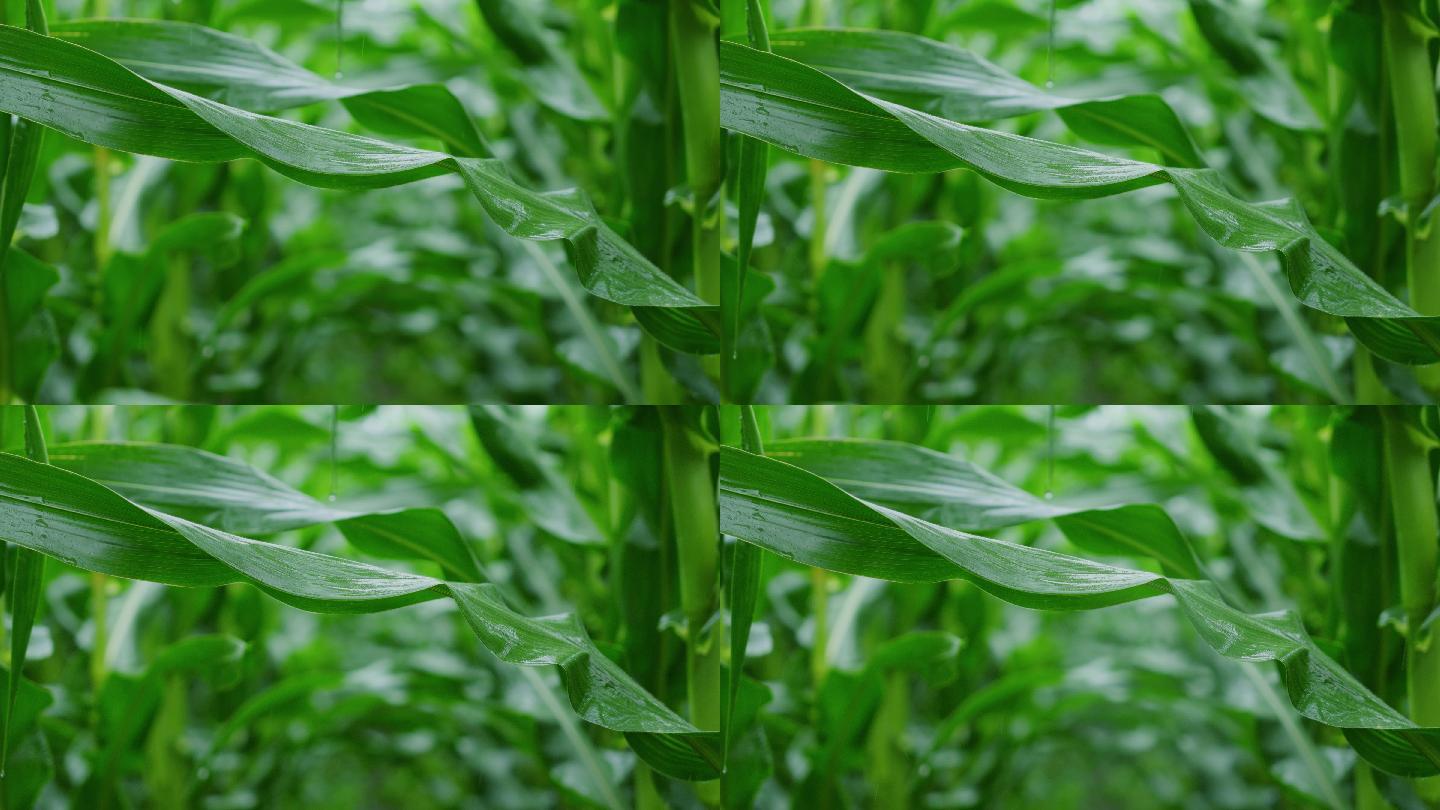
940, 286
141, 277
940, 688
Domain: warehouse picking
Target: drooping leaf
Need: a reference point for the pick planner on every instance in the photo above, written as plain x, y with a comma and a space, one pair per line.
957, 84
85, 95
803, 110
955, 493
69, 517
805, 518
237, 72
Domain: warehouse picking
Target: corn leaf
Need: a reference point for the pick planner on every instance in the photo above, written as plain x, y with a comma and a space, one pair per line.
742, 593
237, 72
87, 96
955, 493
752, 166
960, 495
69, 517
229, 495
801, 109
956, 84
24, 592
805, 518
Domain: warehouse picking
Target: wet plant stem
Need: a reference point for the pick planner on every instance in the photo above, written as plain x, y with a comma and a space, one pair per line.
696, 56
1412, 492
1412, 88
696, 518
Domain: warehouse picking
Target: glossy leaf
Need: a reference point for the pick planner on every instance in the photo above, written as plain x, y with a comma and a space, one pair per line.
805, 518
84, 95
69, 517
224, 493
752, 166
743, 592
237, 72
803, 110
24, 593
957, 84
955, 493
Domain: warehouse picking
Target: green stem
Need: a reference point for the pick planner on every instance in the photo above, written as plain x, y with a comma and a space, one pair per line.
1412, 88
1412, 493
696, 56
697, 71
697, 542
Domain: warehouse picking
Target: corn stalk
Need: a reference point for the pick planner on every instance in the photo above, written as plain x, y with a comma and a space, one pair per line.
1412, 491
1412, 88
697, 542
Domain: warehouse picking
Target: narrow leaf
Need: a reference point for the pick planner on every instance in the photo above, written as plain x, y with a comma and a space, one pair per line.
807, 519
753, 163
235, 71
957, 84
24, 593
87, 96
744, 591
67, 516
802, 110
955, 493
